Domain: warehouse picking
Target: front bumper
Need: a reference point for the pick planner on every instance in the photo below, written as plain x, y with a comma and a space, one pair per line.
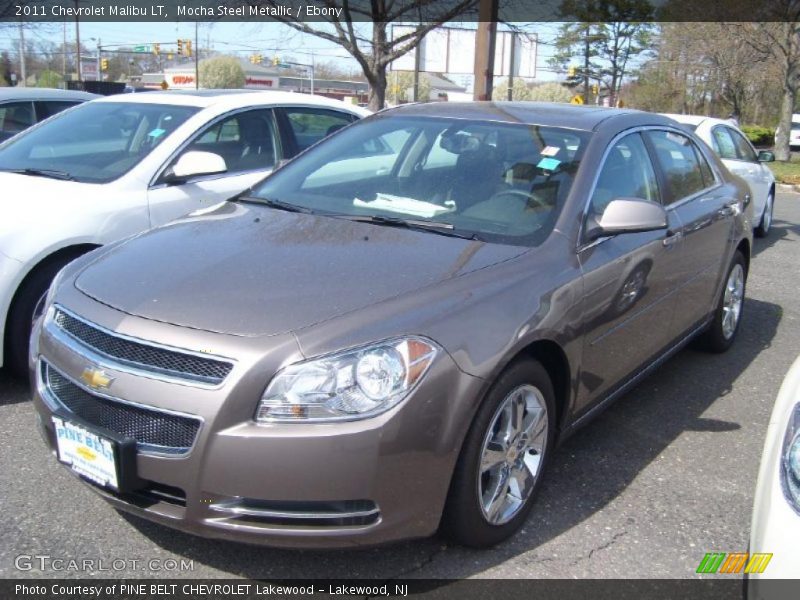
305, 485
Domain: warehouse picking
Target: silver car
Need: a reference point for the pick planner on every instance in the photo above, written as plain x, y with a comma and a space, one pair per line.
390, 334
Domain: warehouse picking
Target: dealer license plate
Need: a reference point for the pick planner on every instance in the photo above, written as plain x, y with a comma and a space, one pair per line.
90, 455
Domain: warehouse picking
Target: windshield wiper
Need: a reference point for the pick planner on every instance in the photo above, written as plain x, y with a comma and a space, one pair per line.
279, 204
418, 224
51, 173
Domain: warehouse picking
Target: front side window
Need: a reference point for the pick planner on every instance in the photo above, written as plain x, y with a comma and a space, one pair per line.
245, 140
506, 182
744, 151
626, 173
680, 162
95, 143
48, 108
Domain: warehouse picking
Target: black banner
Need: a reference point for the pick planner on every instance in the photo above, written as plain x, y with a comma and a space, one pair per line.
408, 11
712, 588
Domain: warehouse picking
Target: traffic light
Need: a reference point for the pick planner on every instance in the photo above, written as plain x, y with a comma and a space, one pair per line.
180, 47
571, 71
276, 60
156, 49
188, 47
104, 64
595, 89
256, 59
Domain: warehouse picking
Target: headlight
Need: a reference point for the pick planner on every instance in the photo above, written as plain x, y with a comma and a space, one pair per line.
790, 463
356, 384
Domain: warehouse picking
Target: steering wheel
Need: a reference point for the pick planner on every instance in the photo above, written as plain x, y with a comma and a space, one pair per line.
528, 196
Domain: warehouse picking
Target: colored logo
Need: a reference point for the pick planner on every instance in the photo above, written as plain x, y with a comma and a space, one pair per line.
95, 378
734, 562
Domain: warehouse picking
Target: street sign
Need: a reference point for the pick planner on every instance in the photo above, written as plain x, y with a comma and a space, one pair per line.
142, 48
576, 99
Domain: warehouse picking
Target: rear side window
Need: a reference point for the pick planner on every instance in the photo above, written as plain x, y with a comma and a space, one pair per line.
680, 162
723, 143
15, 117
310, 125
626, 173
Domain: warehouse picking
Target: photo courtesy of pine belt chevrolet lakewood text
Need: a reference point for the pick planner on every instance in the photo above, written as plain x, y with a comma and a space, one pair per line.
389, 335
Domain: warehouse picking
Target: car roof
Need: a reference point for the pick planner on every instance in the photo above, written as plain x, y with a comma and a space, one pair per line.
587, 118
33, 93
698, 119
232, 99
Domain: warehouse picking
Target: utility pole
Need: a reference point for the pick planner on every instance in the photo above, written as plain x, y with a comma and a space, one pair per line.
78, 41
196, 58
22, 71
99, 62
485, 42
587, 47
64, 54
511, 65
313, 64
417, 60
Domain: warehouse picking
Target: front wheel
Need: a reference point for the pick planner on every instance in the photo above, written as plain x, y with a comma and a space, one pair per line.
762, 230
503, 457
727, 317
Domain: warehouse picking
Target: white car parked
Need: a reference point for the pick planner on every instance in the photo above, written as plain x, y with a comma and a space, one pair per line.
116, 166
775, 528
738, 154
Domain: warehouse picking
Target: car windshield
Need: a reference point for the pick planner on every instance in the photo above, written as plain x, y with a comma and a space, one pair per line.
96, 142
497, 182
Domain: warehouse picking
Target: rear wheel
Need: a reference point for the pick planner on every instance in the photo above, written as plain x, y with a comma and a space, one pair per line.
724, 325
762, 230
503, 457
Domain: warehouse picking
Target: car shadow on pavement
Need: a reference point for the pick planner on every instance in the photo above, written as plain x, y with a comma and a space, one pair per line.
587, 472
779, 232
13, 390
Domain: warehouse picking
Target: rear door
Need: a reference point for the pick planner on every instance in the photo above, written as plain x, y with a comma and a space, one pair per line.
248, 142
629, 279
693, 191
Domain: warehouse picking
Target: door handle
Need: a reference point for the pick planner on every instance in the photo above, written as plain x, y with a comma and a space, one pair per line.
673, 237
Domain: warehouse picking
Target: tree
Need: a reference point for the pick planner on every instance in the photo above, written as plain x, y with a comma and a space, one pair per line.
607, 35
519, 90
549, 92
401, 82
376, 49
48, 79
222, 72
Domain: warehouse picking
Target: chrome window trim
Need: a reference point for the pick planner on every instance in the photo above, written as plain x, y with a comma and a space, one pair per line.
581, 245
53, 403
237, 509
81, 348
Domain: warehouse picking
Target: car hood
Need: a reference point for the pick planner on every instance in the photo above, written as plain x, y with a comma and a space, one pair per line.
250, 270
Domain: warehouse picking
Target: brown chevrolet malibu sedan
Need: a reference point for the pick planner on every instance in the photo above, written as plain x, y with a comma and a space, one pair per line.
390, 334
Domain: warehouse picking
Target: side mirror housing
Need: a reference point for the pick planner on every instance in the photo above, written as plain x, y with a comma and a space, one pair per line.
193, 164
629, 215
766, 156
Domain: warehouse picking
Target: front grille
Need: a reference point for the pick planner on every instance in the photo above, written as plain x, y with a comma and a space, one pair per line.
151, 428
141, 354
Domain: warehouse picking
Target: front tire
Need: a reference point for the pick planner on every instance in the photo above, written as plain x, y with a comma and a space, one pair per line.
724, 325
762, 230
503, 457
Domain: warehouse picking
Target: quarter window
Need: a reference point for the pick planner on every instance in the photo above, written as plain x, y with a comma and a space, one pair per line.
310, 125
626, 173
678, 158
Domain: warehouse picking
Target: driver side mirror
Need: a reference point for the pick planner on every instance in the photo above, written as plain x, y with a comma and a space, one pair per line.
766, 156
628, 215
193, 164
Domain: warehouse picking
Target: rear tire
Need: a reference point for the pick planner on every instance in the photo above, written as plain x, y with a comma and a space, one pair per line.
503, 458
762, 230
21, 314
721, 332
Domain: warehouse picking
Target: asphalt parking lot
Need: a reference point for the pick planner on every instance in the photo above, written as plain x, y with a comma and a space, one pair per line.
664, 476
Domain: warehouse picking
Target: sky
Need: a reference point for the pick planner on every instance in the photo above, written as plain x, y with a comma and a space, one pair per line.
267, 38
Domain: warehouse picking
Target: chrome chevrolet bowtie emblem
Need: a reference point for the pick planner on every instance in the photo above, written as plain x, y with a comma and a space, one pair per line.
95, 378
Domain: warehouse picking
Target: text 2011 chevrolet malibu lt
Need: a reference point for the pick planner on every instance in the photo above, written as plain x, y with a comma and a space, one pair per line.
389, 334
